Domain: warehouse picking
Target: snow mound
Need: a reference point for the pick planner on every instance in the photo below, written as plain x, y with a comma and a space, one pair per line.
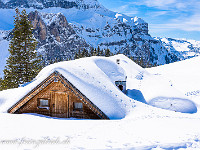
184, 76
153, 89
175, 104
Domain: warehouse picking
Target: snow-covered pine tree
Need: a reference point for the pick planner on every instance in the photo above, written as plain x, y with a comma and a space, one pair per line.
23, 64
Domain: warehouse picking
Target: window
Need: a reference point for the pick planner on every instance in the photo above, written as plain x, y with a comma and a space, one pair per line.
43, 103
120, 87
78, 106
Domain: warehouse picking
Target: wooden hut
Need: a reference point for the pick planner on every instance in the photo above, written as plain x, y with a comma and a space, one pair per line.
57, 97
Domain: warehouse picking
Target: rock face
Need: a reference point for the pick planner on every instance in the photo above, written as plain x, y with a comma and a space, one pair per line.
38, 4
56, 39
42, 4
90, 25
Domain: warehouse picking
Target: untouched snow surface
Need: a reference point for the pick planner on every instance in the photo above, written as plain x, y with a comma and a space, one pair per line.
184, 76
143, 127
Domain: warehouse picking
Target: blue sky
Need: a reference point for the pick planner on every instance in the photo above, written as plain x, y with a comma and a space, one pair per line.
166, 18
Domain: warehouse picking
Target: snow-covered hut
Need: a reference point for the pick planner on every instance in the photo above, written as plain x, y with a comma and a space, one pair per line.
86, 88
57, 97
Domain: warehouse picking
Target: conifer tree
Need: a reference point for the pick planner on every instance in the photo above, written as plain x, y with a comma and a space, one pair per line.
76, 56
84, 53
23, 64
102, 52
95, 52
92, 51
107, 52
98, 51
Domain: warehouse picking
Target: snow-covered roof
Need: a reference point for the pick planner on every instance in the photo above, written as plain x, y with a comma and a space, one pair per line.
95, 77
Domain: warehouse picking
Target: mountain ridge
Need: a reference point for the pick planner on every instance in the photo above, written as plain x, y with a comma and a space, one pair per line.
94, 26
182, 48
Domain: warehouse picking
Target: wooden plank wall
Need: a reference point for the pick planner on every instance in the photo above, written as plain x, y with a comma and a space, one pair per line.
60, 97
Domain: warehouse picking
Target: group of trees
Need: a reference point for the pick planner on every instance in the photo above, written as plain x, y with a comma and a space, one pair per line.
144, 63
24, 63
93, 52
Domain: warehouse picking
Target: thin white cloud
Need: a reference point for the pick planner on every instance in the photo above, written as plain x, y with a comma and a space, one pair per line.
179, 5
186, 24
125, 9
121, 8
158, 13
131, 13
162, 4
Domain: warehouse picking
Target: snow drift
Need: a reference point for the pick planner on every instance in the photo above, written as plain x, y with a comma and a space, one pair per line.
184, 76
95, 77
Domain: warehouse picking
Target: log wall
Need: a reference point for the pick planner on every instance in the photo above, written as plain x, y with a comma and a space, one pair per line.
61, 103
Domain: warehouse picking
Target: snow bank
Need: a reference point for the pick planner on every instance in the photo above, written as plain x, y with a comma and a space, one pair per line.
154, 90
175, 104
184, 76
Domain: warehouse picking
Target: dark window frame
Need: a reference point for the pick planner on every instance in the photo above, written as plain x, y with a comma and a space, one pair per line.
77, 109
39, 103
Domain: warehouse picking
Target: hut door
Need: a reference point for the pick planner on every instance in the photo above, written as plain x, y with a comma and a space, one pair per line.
59, 104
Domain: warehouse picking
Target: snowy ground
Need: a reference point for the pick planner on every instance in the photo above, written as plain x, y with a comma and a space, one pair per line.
183, 75
143, 127
143, 130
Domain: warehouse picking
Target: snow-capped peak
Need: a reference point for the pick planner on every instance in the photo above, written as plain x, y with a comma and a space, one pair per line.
138, 20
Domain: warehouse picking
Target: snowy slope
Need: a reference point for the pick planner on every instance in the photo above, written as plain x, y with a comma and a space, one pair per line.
154, 90
95, 77
184, 76
143, 128
182, 48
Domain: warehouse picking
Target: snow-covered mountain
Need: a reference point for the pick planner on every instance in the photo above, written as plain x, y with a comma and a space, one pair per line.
182, 48
91, 24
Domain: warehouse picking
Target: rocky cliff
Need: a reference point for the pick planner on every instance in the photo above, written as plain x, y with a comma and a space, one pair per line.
56, 38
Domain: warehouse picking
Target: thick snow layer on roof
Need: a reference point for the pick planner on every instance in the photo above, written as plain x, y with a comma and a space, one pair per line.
95, 77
